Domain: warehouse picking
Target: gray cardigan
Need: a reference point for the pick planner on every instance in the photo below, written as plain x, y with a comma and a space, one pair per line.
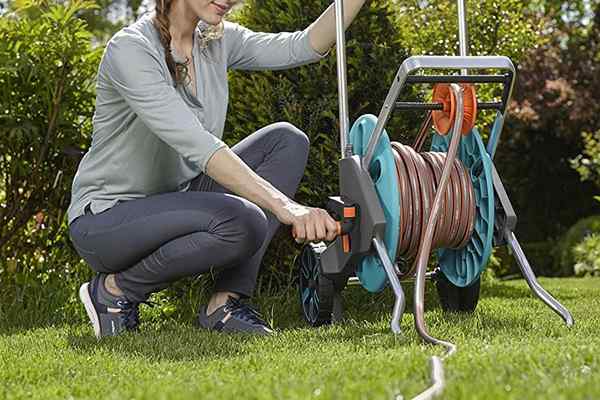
150, 137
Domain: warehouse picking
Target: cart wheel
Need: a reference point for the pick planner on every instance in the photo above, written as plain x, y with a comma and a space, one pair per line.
317, 292
455, 298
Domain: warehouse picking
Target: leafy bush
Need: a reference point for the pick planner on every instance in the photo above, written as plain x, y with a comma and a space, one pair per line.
587, 164
40, 286
506, 28
587, 256
564, 254
47, 70
556, 98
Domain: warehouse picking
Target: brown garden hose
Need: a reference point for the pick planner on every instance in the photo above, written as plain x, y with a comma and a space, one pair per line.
419, 176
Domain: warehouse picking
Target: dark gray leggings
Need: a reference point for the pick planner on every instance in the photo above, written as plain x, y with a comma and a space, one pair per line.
150, 242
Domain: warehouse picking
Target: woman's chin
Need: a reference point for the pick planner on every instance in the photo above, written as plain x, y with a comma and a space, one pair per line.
213, 19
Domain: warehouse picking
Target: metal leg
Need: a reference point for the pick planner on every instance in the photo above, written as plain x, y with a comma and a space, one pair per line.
395, 282
535, 287
337, 314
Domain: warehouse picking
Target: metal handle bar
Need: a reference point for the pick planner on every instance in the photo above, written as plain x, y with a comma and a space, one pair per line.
342, 83
463, 32
458, 78
505, 79
413, 106
416, 63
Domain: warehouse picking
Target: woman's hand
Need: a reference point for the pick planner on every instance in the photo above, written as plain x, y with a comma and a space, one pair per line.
322, 32
308, 223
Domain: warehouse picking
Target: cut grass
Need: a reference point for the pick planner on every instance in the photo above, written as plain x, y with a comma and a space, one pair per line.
513, 347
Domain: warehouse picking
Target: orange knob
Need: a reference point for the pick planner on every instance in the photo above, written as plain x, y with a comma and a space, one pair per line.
443, 120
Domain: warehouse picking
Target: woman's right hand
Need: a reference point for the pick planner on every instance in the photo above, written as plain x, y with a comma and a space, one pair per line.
309, 224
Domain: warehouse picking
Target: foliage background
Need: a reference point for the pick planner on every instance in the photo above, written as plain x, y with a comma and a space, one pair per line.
550, 139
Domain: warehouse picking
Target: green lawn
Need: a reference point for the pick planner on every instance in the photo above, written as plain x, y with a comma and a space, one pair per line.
513, 347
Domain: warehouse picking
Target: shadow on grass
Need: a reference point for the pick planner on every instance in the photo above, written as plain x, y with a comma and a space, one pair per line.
501, 290
510, 291
178, 343
19, 319
186, 343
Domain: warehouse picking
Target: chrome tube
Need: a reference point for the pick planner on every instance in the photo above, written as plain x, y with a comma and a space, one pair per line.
535, 287
394, 281
342, 80
463, 33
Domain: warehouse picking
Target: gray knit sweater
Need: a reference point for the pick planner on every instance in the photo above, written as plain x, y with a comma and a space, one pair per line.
150, 137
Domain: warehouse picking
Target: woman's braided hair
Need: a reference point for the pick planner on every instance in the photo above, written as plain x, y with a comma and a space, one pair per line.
179, 69
161, 22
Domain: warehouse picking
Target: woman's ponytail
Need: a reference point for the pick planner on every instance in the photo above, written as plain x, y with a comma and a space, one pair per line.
161, 22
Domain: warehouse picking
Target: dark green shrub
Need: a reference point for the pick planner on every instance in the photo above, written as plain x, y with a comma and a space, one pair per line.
47, 70
556, 98
565, 250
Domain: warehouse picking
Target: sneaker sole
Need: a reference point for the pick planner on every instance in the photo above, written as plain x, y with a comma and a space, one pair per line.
84, 296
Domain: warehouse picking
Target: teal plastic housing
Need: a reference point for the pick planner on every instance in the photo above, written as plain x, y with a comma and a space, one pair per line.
461, 266
370, 270
464, 266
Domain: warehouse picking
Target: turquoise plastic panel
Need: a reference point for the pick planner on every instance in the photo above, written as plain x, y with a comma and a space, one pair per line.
370, 270
495, 134
463, 266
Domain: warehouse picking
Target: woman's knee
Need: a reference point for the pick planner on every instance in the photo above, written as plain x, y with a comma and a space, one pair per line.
254, 223
293, 138
246, 226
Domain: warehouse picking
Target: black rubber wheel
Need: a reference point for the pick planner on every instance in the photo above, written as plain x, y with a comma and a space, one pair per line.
455, 298
317, 292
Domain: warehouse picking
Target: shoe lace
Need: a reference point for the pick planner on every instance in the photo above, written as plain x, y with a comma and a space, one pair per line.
130, 312
245, 312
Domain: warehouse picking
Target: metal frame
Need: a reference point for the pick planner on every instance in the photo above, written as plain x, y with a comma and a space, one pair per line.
416, 63
535, 287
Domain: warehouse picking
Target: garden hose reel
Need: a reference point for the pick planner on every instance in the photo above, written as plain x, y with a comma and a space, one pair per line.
398, 203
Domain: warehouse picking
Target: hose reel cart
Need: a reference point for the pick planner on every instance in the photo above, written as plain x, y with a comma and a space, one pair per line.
397, 203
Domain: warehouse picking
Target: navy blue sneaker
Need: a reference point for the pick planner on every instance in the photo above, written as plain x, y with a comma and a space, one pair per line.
110, 315
234, 316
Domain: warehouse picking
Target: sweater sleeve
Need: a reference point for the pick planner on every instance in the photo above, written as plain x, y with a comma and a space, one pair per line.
135, 71
249, 50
